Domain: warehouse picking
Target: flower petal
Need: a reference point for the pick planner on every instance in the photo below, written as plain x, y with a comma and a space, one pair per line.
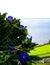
23, 57
21, 26
10, 18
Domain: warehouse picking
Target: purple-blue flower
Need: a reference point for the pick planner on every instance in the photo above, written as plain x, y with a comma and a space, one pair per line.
12, 47
21, 26
24, 57
31, 38
10, 18
12, 44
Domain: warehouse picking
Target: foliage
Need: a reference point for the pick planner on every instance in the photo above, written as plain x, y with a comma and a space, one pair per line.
41, 51
12, 32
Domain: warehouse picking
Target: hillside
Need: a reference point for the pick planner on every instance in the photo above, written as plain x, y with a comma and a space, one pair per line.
41, 51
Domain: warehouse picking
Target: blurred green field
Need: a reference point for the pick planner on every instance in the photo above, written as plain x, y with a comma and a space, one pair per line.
42, 64
41, 51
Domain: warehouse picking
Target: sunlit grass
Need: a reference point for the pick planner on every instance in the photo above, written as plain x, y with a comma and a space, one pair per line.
41, 51
41, 64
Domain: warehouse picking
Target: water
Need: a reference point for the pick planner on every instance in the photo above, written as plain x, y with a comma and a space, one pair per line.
39, 29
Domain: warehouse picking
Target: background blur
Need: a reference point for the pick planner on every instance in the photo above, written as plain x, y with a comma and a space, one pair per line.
28, 11
38, 28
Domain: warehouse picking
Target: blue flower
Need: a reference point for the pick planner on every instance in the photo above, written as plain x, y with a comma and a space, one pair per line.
12, 47
24, 57
21, 26
10, 18
31, 38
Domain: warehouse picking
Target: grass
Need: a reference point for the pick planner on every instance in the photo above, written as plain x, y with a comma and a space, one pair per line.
41, 51
42, 64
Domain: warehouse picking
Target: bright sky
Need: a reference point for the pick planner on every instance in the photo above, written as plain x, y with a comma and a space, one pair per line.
26, 8
39, 29
30, 9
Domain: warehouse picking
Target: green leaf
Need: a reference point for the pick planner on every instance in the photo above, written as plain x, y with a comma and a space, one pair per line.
18, 46
1, 61
15, 60
4, 15
15, 25
1, 52
7, 57
25, 31
1, 58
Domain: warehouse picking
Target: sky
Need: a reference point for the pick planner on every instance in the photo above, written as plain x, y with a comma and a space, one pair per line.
38, 28
27, 10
